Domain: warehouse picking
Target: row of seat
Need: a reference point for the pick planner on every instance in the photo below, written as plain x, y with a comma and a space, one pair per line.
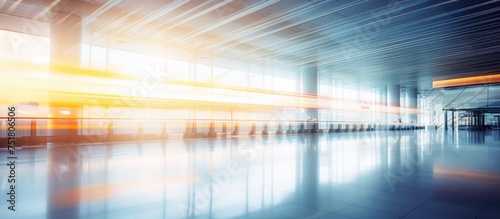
395, 127
310, 127
192, 132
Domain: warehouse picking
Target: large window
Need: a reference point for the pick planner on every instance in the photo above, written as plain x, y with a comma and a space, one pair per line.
178, 69
24, 47
284, 84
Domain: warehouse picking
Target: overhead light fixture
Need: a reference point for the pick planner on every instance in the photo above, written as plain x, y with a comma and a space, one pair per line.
476, 80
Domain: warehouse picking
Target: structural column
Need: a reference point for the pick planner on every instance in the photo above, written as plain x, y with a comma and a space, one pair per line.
393, 103
474, 119
65, 41
483, 119
452, 120
469, 119
446, 120
309, 88
65, 50
411, 105
383, 105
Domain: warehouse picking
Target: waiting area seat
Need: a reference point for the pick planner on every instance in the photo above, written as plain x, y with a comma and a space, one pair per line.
196, 129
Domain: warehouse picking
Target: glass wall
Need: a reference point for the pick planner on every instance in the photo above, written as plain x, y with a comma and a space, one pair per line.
343, 102
24, 63
213, 88
139, 89
185, 86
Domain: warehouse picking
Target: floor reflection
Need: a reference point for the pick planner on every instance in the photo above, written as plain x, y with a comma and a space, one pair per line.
292, 176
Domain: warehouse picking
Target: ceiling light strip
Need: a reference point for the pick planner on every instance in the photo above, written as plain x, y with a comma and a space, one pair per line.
476, 80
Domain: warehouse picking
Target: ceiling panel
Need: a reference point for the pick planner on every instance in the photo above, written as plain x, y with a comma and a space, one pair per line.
373, 43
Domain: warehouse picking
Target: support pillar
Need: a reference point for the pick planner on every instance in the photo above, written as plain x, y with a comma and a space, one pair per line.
393, 106
65, 41
452, 120
446, 120
411, 105
474, 119
478, 119
483, 119
469, 119
478, 123
65, 51
383, 106
309, 87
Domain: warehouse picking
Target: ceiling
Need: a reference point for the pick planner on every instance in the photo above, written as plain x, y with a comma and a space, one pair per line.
373, 43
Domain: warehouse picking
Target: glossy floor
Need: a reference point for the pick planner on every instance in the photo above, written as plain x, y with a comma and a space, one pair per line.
381, 174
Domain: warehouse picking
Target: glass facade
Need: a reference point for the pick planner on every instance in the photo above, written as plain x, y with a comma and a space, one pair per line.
180, 86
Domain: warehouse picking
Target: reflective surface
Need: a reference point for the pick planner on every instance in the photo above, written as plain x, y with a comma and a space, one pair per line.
381, 174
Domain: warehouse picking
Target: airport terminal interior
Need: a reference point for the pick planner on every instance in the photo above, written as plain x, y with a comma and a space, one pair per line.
249, 109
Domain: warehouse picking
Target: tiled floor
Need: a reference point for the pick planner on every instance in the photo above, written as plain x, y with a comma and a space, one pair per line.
381, 174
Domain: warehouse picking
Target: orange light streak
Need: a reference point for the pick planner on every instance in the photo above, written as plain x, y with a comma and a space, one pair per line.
76, 87
476, 80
